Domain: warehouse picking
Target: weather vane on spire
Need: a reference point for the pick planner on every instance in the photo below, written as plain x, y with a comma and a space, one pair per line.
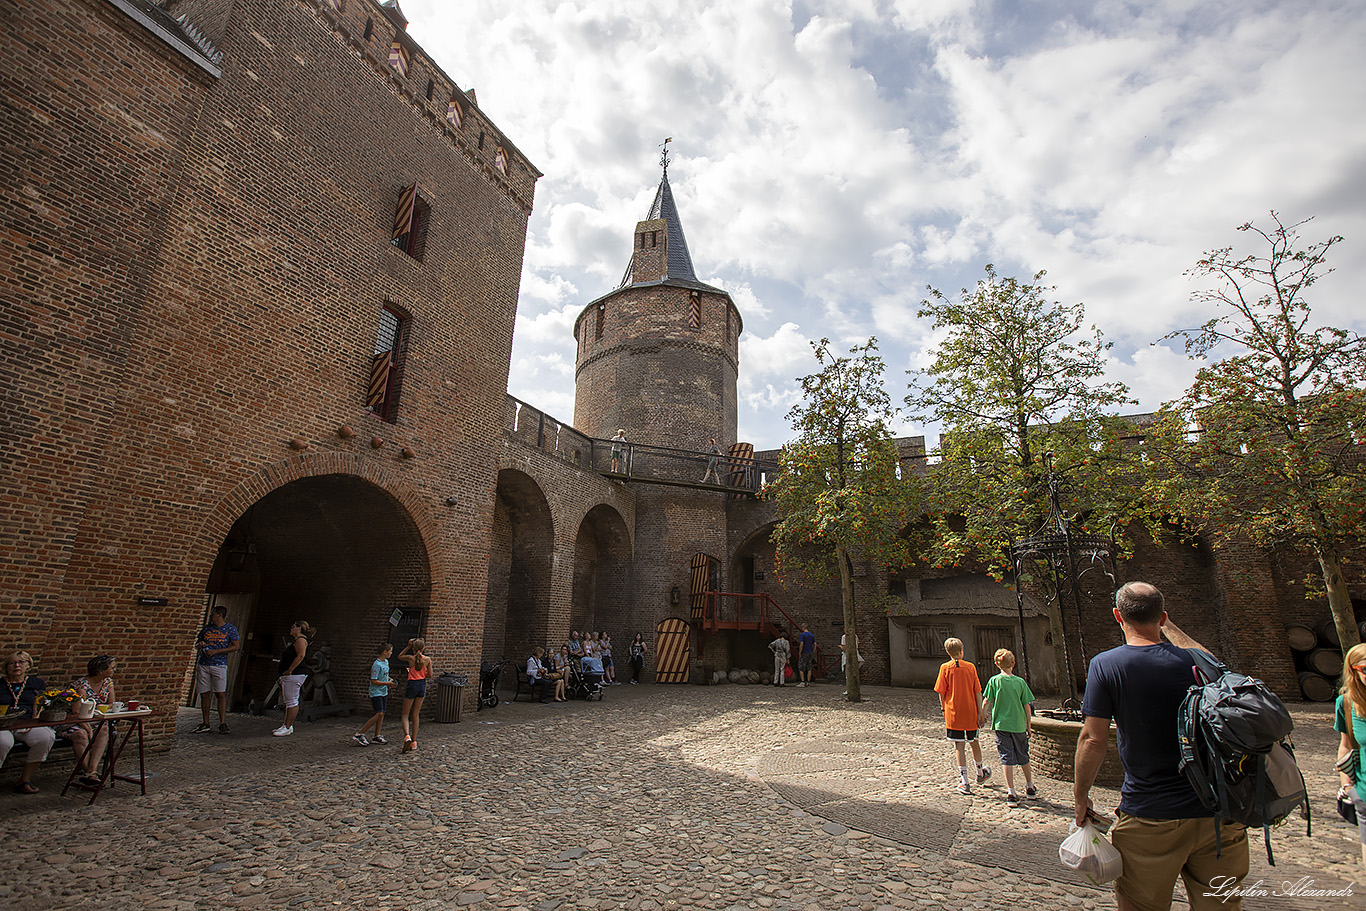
664, 155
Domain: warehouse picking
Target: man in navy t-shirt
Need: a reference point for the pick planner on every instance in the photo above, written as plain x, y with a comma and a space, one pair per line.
1163, 830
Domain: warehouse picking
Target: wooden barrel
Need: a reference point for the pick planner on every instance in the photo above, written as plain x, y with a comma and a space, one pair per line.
1302, 638
1328, 633
1325, 661
1316, 687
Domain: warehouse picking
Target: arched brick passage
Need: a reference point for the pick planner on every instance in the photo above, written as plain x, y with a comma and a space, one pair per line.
333, 549
602, 566
516, 614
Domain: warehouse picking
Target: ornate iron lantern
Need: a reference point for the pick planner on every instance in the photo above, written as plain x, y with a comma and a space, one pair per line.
1057, 552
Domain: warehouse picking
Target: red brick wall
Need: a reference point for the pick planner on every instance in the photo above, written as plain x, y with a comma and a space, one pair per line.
194, 279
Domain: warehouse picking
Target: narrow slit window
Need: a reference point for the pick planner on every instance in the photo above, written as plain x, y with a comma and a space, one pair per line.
382, 393
500, 160
369, 29
453, 113
694, 310
602, 313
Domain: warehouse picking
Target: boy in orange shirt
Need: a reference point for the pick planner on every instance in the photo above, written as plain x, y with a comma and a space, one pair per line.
960, 693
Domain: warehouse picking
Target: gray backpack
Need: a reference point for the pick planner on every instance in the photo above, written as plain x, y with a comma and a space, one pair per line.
1236, 750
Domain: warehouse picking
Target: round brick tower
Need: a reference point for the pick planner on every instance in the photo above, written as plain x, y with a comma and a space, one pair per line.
658, 356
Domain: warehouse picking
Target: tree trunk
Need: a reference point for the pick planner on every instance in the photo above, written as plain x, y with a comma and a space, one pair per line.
1339, 600
851, 652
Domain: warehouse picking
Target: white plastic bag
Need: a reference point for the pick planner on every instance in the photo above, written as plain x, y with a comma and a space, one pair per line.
1087, 851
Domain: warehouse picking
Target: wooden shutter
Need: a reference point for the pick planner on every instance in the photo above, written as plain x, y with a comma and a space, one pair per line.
403, 218
695, 310
699, 584
379, 380
672, 650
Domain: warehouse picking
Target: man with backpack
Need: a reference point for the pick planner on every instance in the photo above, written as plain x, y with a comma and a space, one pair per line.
1164, 831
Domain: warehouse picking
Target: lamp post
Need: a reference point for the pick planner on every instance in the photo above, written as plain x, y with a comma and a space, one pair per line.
1056, 551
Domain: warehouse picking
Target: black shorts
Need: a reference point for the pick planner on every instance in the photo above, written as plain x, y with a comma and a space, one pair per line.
416, 689
379, 703
964, 736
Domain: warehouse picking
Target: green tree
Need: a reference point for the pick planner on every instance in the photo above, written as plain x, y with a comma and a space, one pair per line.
1267, 443
840, 494
1017, 376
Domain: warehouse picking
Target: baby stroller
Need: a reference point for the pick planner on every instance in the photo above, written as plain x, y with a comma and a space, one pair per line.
488, 683
586, 680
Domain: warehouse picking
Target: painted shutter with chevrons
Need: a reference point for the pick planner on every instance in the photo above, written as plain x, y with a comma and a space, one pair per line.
379, 380
672, 650
403, 218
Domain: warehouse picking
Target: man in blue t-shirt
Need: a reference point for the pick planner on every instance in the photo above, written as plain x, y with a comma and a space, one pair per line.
1163, 830
806, 654
216, 641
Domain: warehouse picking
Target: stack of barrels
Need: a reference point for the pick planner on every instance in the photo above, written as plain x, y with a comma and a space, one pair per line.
1318, 658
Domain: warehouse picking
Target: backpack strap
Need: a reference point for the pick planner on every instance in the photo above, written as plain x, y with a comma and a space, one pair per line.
1260, 760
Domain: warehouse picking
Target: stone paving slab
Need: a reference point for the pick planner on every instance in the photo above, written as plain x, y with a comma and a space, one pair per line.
657, 798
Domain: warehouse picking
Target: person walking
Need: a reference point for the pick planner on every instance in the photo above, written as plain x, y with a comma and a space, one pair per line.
216, 641
713, 462
380, 681
419, 671
1163, 831
960, 695
293, 673
638, 651
1009, 702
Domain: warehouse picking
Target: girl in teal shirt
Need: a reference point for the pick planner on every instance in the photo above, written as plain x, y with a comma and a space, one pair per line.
1354, 736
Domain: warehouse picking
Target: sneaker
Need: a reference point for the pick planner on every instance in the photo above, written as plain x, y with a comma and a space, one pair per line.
963, 788
378, 738
1031, 791
983, 774
1012, 799
202, 729
283, 731
635, 683
222, 729
408, 745
360, 738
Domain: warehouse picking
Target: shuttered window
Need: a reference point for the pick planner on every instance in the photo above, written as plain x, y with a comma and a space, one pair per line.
382, 393
410, 222
398, 58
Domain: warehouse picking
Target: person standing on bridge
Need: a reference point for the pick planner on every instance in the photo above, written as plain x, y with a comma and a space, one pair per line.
713, 462
619, 450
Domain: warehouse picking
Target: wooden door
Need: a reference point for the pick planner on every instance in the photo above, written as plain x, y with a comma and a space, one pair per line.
672, 650
989, 639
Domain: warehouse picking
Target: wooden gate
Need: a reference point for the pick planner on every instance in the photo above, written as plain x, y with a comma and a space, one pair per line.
989, 639
672, 650
706, 577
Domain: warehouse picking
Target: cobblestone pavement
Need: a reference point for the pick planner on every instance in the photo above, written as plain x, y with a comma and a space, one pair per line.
657, 798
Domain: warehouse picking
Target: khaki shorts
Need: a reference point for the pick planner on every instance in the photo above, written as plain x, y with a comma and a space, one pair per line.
1157, 851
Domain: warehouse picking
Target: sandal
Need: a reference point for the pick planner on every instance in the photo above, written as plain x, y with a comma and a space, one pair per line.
26, 787
90, 781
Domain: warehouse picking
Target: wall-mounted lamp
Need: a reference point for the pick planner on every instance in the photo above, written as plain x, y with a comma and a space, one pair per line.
674, 595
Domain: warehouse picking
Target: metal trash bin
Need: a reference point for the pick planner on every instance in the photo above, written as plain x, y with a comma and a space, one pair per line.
448, 696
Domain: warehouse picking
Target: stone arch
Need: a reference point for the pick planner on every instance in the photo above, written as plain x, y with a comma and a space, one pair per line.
329, 539
521, 552
602, 572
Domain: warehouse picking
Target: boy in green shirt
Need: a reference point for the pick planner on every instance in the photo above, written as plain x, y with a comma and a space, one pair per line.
1011, 705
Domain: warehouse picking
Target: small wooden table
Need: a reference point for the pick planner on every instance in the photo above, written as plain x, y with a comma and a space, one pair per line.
113, 748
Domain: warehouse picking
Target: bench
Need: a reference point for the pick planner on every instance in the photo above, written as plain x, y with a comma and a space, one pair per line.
524, 683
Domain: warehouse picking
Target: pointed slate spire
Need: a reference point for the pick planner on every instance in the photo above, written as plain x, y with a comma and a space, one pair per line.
676, 261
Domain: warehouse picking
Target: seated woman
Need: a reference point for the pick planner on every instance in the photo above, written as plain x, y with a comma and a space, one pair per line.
561, 675
535, 672
17, 698
97, 685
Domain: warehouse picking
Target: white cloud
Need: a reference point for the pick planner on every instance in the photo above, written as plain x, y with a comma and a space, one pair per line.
827, 168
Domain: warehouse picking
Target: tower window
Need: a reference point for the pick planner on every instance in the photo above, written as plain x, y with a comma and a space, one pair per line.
398, 58
431, 88
500, 160
602, 313
382, 393
369, 29
694, 310
453, 113
410, 223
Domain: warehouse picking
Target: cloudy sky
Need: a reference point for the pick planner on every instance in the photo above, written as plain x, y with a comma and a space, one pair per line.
831, 159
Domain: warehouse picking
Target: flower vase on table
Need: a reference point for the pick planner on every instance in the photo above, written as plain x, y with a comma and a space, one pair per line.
53, 713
